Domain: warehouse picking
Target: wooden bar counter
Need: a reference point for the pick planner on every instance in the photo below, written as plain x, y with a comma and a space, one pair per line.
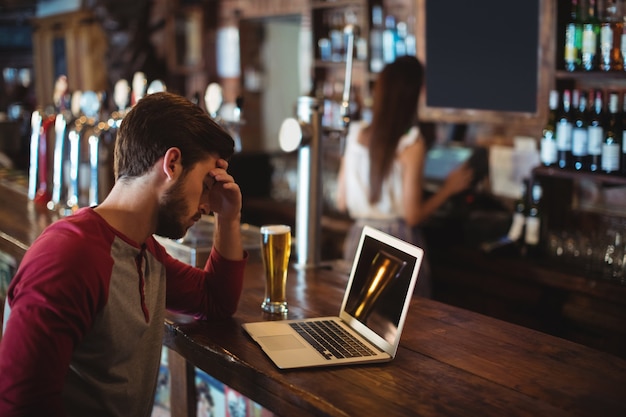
451, 362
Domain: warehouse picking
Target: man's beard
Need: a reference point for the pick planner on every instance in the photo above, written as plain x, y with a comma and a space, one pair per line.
171, 212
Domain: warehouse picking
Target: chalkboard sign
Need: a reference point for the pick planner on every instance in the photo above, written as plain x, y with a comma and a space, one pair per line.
485, 57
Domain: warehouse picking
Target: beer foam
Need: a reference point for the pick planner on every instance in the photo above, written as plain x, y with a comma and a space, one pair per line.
275, 229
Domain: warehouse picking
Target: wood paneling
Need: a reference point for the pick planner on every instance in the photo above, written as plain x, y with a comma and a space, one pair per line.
85, 48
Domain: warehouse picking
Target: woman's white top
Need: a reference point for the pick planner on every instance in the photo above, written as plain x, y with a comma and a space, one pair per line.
357, 174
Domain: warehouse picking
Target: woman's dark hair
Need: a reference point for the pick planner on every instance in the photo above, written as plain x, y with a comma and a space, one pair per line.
161, 121
394, 112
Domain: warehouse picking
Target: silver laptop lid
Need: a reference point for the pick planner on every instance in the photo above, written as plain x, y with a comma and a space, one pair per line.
380, 288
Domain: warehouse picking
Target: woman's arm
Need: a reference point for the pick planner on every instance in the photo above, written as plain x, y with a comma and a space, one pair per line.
416, 210
340, 200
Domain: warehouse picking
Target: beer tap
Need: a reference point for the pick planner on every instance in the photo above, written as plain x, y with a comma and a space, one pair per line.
62, 119
213, 102
121, 92
42, 141
138, 87
305, 134
347, 85
156, 86
33, 167
58, 177
84, 140
90, 105
73, 189
102, 144
45, 134
94, 157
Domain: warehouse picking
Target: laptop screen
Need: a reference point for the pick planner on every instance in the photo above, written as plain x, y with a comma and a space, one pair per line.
381, 281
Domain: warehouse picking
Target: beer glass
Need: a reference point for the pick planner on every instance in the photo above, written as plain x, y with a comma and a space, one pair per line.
275, 251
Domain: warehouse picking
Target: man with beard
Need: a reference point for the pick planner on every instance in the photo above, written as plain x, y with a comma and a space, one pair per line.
84, 316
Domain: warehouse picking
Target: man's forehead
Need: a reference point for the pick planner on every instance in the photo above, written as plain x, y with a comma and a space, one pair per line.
205, 165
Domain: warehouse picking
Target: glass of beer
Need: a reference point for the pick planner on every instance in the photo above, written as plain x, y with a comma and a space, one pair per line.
275, 251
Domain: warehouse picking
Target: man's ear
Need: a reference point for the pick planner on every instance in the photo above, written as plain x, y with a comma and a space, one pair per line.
172, 166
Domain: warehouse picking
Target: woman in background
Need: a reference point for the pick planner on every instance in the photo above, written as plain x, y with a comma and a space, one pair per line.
381, 171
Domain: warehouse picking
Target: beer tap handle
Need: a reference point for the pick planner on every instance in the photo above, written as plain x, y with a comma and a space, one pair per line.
156, 86
60, 93
213, 99
72, 192
121, 93
59, 147
345, 102
94, 157
90, 105
42, 195
75, 103
35, 125
138, 87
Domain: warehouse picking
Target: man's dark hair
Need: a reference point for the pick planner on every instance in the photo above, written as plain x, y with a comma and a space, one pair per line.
161, 121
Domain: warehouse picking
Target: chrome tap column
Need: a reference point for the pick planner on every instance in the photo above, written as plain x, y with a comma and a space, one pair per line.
33, 168
305, 133
58, 176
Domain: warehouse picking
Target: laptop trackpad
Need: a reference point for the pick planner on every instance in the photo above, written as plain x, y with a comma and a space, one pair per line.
281, 342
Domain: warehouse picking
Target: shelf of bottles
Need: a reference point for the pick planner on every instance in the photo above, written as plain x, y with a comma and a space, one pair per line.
379, 38
594, 38
586, 134
383, 30
584, 143
596, 253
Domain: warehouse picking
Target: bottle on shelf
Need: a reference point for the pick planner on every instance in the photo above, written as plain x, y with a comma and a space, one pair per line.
573, 38
411, 43
623, 37
390, 35
595, 132
517, 229
610, 163
401, 34
590, 38
611, 28
580, 133
323, 42
376, 40
513, 241
532, 234
564, 131
336, 37
548, 152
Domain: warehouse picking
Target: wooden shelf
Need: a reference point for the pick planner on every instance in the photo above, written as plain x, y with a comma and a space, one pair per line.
317, 4
590, 75
569, 174
339, 64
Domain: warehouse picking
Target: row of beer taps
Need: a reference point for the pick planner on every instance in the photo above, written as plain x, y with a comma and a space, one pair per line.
72, 146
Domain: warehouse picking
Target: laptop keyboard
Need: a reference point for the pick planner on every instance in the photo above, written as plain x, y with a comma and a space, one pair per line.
329, 339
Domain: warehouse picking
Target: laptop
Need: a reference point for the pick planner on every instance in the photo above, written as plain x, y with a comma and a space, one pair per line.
373, 311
